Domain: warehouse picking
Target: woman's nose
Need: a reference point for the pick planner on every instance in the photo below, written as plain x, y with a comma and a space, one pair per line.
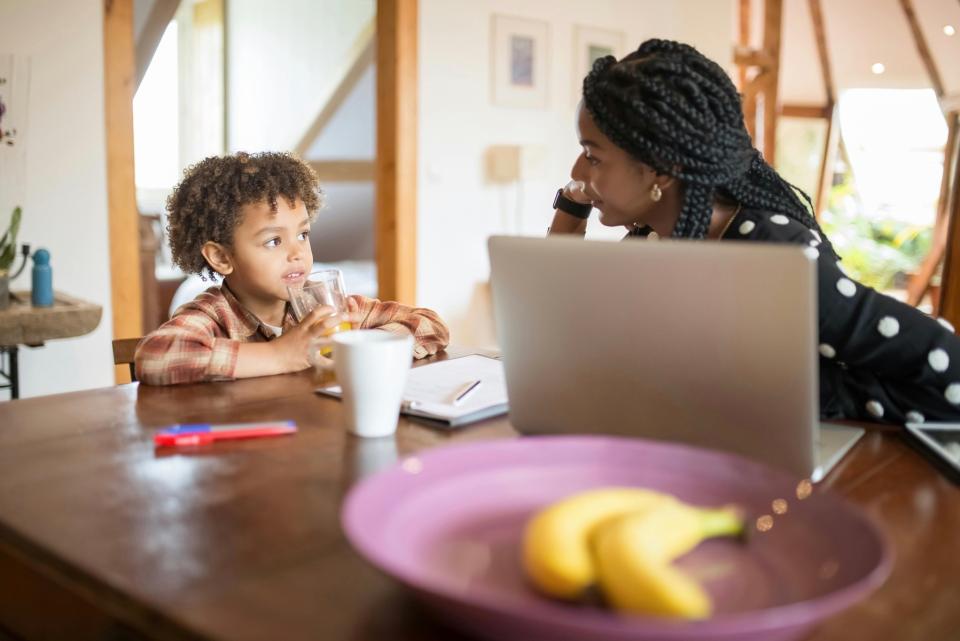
578, 171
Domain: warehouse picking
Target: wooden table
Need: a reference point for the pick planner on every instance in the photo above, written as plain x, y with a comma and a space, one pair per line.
23, 324
101, 537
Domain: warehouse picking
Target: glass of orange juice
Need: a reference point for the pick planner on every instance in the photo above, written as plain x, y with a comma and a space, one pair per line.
324, 287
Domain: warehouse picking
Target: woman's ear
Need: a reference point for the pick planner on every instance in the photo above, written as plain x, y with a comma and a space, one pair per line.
665, 181
217, 257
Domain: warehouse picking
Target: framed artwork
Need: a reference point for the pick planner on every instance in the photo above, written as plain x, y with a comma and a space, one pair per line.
589, 44
519, 48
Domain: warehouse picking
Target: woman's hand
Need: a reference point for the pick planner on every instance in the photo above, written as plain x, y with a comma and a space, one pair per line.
564, 223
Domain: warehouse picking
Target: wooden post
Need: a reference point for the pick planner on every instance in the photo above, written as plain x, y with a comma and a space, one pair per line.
772, 22
949, 307
119, 77
762, 88
396, 162
922, 49
744, 39
825, 177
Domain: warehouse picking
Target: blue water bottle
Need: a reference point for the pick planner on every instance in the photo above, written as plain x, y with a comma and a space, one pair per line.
41, 291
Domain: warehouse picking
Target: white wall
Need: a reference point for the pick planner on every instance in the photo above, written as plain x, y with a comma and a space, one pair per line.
280, 57
65, 207
457, 209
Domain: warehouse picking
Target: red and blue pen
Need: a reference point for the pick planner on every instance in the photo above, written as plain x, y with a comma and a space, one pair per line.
205, 433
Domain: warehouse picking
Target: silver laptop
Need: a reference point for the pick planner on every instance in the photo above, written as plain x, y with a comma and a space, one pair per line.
712, 344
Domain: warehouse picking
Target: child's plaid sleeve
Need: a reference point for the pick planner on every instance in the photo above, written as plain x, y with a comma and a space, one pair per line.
186, 349
430, 334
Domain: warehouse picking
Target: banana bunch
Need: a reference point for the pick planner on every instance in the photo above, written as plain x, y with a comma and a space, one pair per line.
623, 541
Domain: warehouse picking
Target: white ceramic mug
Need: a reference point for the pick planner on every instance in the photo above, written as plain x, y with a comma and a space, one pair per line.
372, 367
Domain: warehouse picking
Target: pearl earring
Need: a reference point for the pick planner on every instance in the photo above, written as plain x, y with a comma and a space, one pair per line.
655, 193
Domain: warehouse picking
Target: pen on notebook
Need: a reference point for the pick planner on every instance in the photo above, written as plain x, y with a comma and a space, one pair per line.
204, 433
464, 392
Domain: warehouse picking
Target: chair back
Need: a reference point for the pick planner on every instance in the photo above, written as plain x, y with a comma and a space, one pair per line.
123, 351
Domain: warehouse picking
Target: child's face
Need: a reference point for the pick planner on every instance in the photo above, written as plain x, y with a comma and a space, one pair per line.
270, 252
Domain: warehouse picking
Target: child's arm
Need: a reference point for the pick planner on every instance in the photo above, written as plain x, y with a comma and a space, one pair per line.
430, 334
290, 352
191, 348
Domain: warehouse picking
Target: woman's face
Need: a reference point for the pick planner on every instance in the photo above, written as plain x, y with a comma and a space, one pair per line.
618, 185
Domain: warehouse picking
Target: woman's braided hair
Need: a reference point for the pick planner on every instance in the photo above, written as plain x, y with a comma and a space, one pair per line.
671, 107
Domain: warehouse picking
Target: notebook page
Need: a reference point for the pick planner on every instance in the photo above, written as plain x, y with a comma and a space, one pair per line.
432, 388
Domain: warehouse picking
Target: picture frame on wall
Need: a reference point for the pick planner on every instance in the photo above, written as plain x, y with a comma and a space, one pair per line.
589, 44
519, 49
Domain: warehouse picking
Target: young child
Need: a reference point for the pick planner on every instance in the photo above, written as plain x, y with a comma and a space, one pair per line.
247, 218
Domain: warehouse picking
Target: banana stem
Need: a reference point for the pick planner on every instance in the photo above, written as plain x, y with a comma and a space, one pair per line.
721, 522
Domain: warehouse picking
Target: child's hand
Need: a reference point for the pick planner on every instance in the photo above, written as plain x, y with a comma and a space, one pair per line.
322, 347
296, 344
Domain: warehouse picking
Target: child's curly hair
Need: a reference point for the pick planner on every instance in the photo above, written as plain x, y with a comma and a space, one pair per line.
206, 205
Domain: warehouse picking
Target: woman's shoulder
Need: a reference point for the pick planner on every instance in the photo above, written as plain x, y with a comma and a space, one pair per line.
758, 224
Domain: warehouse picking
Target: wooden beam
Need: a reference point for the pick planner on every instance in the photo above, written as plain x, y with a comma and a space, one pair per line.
743, 39
331, 171
920, 282
119, 71
820, 34
921, 42
396, 162
949, 306
358, 59
806, 111
827, 158
161, 13
950, 103
772, 25
747, 57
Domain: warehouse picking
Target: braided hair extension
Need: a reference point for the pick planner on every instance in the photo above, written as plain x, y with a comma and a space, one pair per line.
671, 107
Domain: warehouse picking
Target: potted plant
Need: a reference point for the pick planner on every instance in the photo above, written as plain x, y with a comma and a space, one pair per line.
8, 252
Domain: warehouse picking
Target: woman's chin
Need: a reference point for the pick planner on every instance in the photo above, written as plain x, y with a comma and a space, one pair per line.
610, 219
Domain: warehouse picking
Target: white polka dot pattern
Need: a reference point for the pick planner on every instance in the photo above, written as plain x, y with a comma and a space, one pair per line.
827, 350
746, 227
846, 287
888, 326
814, 243
915, 417
875, 408
779, 219
939, 360
953, 393
816, 235
946, 323
811, 252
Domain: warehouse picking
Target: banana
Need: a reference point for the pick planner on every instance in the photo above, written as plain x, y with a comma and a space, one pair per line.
556, 545
633, 554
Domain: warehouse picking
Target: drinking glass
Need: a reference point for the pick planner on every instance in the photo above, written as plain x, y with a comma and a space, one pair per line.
324, 287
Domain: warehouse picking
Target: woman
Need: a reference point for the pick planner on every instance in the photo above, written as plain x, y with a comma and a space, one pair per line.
666, 153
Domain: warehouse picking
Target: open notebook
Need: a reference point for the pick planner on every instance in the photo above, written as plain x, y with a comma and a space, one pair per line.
430, 390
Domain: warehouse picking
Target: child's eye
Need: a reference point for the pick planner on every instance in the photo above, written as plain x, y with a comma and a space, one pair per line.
273, 242
592, 160
304, 235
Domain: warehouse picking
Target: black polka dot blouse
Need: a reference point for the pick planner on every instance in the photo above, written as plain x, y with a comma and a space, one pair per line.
880, 360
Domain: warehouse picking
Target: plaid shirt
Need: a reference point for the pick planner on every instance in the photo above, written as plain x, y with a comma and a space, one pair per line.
202, 340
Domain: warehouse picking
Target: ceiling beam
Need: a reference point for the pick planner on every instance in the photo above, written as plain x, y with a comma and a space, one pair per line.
922, 49
805, 111
331, 171
161, 13
820, 33
358, 59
